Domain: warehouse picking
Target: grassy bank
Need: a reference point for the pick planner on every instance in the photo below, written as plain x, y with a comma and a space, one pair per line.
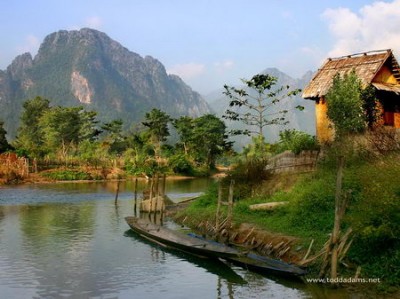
373, 190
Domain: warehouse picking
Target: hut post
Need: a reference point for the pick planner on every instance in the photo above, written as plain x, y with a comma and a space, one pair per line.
135, 196
163, 185
157, 192
117, 192
151, 194
230, 204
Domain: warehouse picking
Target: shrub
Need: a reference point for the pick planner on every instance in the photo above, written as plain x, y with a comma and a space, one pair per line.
181, 165
296, 141
67, 175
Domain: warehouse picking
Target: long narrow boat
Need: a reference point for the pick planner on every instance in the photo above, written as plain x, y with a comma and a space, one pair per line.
175, 239
260, 264
266, 265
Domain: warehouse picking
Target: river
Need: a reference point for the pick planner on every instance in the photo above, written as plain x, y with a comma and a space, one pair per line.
69, 240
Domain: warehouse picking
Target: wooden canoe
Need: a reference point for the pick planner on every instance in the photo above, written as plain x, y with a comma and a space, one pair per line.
174, 239
266, 265
260, 264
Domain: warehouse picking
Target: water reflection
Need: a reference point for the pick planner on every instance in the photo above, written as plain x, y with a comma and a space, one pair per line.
71, 241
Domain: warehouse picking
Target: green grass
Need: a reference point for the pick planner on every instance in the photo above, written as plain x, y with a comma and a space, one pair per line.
373, 191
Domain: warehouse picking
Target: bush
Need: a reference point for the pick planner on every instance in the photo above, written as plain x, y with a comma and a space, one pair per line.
296, 141
248, 174
67, 175
181, 165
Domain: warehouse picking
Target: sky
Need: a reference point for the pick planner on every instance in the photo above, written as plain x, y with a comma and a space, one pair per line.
209, 43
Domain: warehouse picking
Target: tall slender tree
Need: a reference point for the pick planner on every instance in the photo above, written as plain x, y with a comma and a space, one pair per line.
256, 105
30, 137
157, 123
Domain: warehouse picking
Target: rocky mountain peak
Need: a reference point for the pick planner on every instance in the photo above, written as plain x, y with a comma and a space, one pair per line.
86, 67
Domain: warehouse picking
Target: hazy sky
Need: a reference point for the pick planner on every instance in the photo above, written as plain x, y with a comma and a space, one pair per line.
215, 42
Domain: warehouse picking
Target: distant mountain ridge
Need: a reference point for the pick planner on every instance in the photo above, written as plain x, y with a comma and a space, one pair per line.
86, 67
300, 120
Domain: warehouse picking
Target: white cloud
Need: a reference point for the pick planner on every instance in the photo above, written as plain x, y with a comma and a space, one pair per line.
31, 45
94, 22
373, 27
222, 66
188, 70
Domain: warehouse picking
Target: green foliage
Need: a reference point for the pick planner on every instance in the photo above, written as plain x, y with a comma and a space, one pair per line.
248, 174
296, 141
67, 175
345, 105
209, 139
157, 124
30, 136
370, 105
181, 165
257, 149
114, 138
256, 105
184, 126
4, 145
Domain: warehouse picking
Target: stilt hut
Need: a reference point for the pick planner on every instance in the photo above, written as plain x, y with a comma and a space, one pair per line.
379, 68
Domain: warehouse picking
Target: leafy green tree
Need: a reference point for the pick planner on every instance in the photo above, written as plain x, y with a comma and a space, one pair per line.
370, 106
4, 145
345, 105
114, 136
30, 137
65, 127
256, 103
61, 127
345, 110
89, 126
209, 139
157, 123
184, 126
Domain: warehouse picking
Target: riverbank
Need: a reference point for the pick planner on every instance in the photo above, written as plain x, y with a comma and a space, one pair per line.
371, 185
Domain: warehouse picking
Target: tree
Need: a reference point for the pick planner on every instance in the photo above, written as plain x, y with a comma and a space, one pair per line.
30, 137
65, 127
209, 139
256, 103
157, 123
345, 110
345, 105
4, 145
184, 126
114, 137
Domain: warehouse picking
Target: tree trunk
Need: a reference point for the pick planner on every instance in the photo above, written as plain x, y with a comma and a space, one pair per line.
338, 216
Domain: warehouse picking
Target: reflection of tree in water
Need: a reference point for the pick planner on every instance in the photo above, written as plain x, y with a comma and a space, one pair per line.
57, 225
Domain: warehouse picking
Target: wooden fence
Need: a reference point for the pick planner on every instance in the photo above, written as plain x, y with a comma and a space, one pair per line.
290, 162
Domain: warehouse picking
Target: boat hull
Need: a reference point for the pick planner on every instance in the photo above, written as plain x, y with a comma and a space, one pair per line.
167, 237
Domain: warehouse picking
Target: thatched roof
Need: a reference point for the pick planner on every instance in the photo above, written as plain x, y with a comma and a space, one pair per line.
366, 66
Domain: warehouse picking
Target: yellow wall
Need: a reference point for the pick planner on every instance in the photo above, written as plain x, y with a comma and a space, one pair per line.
325, 132
385, 75
397, 120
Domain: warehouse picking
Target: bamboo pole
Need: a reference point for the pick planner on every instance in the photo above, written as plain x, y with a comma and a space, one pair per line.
117, 192
164, 180
230, 204
157, 192
309, 250
135, 205
217, 216
151, 194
